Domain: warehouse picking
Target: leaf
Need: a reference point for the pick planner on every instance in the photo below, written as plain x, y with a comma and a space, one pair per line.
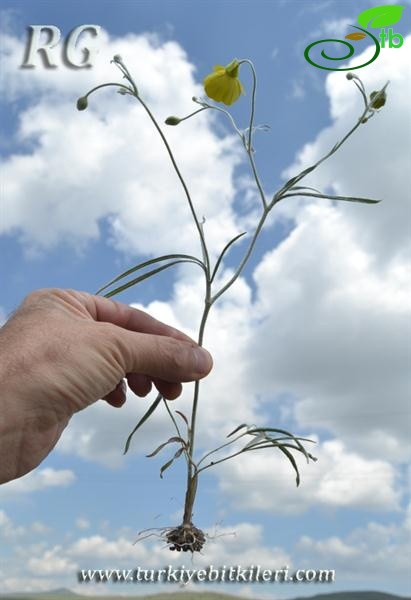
146, 264
260, 437
330, 197
355, 36
182, 415
172, 440
237, 429
143, 419
283, 431
380, 16
123, 287
170, 462
292, 461
237, 237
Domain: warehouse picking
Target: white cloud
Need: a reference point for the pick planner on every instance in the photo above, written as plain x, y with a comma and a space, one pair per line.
37, 480
70, 179
373, 162
8, 529
50, 563
371, 551
333, 298
265, 480
82, 523
333, 333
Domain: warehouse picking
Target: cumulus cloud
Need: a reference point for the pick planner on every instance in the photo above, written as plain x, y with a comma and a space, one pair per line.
333, 332
8, 529
384, 142
109, 162
51, 566
340, 479
369, 551
333, 297
37, 480
50, 563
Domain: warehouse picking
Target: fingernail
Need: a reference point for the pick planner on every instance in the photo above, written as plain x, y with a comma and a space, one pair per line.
203, 359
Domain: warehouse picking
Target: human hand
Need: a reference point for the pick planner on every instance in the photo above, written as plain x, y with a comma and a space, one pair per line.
62, 350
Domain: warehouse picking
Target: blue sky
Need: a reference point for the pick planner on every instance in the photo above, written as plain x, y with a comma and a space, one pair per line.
312, 338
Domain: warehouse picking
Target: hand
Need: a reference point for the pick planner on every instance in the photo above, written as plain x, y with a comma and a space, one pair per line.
62, 350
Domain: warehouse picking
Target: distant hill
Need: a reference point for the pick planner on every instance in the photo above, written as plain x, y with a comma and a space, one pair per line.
63, 594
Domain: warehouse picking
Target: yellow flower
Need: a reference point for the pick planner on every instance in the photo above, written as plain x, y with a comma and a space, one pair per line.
223, 84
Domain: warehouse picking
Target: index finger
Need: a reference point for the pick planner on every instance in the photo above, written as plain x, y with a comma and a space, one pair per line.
123, 315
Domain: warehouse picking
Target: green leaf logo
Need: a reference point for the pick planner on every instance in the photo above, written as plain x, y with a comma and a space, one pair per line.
380, 16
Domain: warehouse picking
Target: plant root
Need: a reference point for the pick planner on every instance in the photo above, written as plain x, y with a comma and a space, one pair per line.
186, 537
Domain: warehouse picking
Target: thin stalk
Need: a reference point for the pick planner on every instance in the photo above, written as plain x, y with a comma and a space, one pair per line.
277, 197
249, 147
98, 87
183, 183
192, 470
219, 448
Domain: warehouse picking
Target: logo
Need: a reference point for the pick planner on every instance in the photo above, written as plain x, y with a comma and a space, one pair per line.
378, 17
43, 40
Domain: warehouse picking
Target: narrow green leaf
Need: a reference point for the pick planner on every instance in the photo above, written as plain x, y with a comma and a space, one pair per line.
283, 431
170, 462
220, 258
330, 197
142, 277
165, 466
259, 439
380, 16
305, 187
292, 461
143, 419
172, 440
237, 429
182, 415
146, 264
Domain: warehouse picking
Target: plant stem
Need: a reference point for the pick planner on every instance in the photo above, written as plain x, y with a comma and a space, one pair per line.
249, 146
183, 183
192, 472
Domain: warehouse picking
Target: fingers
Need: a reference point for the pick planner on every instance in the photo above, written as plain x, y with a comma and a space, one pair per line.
159, 357
141, 385
117, 397
122, 315
170, 390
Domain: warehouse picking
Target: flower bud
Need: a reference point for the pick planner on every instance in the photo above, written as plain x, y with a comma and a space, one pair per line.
349, 76
172, 121
82, 103
117, 58
379, 101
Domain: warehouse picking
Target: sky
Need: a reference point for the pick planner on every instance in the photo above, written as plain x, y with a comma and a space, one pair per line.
313, 337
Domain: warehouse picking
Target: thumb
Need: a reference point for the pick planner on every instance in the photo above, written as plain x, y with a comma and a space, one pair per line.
161, 356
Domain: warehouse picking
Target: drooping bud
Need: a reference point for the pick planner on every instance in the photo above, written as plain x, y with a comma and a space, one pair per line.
349, 76
82, 103
172, 121
380, 99
117, 58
